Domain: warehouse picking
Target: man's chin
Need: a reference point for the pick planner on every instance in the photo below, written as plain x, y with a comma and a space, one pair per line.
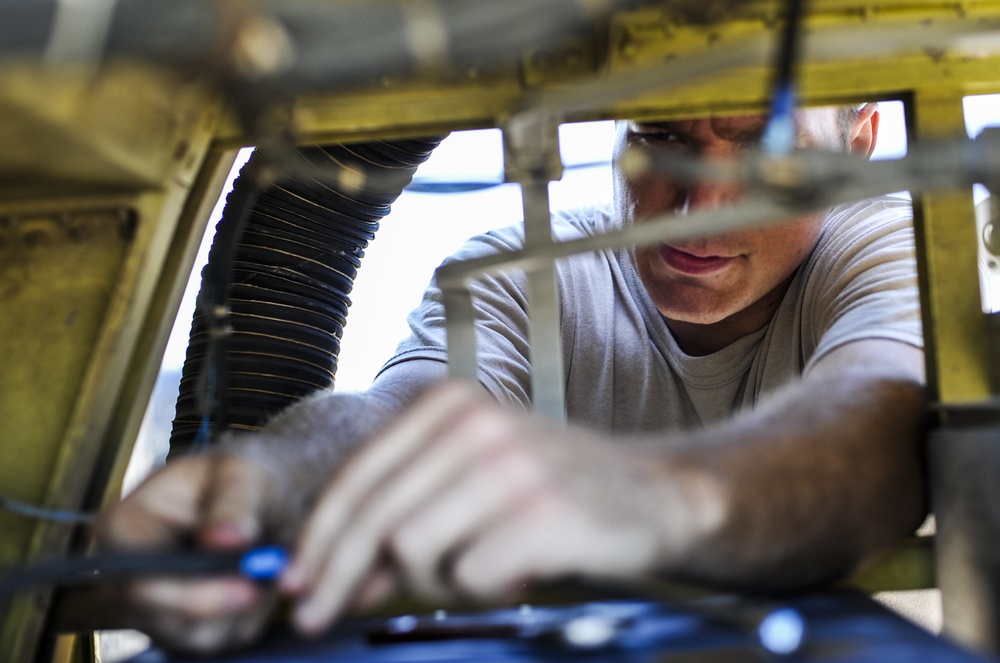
694, 317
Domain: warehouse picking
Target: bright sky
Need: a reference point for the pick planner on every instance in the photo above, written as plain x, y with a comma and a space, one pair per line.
424, 228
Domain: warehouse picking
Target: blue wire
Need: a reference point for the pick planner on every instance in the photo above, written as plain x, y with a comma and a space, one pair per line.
43, 513
201, 439
779, 136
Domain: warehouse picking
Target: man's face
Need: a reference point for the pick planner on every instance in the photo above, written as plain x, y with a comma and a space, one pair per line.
730, 276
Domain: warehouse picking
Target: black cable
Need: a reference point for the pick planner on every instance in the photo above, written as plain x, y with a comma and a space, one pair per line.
779, 138
213, 304
260, 564
788, 53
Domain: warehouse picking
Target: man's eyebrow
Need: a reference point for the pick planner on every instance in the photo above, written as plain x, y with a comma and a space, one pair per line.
754, 135
658, 124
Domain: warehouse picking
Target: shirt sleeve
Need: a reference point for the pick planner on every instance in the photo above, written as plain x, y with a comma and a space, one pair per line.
500, 307
863, 284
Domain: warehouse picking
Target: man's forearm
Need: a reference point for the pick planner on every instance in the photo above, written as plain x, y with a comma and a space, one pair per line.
811, 483
305, 445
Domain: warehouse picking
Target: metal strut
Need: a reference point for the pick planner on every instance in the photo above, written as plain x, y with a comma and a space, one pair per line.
531, 158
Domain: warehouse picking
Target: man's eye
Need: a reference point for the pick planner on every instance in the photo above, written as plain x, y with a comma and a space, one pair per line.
658, 138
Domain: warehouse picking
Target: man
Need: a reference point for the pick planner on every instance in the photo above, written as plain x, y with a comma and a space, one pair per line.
745, 410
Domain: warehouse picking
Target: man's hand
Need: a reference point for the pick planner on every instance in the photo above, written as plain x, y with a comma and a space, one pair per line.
249, 489
463, 498
214, 502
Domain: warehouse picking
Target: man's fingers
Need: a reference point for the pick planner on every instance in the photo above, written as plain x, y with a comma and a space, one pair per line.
332, 563
196, 599
373, 465
376, 589
337, 582
216, 501
400, 484
235, 630
163, 509
548, 537
515, 550
430, 536
337, 553
201, 616
234, 502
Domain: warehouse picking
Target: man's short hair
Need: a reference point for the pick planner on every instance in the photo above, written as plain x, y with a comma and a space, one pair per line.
846, 115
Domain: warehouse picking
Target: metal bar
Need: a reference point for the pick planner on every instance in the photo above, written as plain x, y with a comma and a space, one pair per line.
531, 158
752, 213
548, 391
833, 178
962, 464
954, 330
460, 326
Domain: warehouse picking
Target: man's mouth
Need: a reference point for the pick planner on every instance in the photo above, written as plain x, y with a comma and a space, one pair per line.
688, 263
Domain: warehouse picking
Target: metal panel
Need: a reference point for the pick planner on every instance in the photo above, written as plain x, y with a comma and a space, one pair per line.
87, 291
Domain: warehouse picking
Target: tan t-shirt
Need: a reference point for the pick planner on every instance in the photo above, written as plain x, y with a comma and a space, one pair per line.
625, 372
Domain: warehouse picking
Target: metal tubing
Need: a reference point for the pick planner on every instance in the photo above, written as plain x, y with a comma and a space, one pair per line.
460, 326
531, 158
548, 390
752, 213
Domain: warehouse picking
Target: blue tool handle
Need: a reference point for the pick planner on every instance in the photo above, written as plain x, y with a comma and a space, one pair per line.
264, 564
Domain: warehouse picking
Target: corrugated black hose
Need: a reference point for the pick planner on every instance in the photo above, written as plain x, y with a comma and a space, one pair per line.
298, 246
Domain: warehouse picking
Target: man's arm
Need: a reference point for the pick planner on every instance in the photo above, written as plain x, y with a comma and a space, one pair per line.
252, 488
817, 479
307, 443
467, 499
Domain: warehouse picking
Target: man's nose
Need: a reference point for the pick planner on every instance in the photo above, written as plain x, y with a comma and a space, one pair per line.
710, 196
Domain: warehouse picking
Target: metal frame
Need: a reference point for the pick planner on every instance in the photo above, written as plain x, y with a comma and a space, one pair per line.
137, 138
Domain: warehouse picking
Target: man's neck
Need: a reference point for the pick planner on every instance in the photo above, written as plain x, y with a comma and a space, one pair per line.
698, 340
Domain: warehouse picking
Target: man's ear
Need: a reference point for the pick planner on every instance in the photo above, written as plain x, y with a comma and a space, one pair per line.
864, 131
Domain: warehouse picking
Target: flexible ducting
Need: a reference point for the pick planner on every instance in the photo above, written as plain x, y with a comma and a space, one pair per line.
290, 277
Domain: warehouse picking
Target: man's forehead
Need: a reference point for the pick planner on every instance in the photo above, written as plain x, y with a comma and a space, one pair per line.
726, 126
814, 123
